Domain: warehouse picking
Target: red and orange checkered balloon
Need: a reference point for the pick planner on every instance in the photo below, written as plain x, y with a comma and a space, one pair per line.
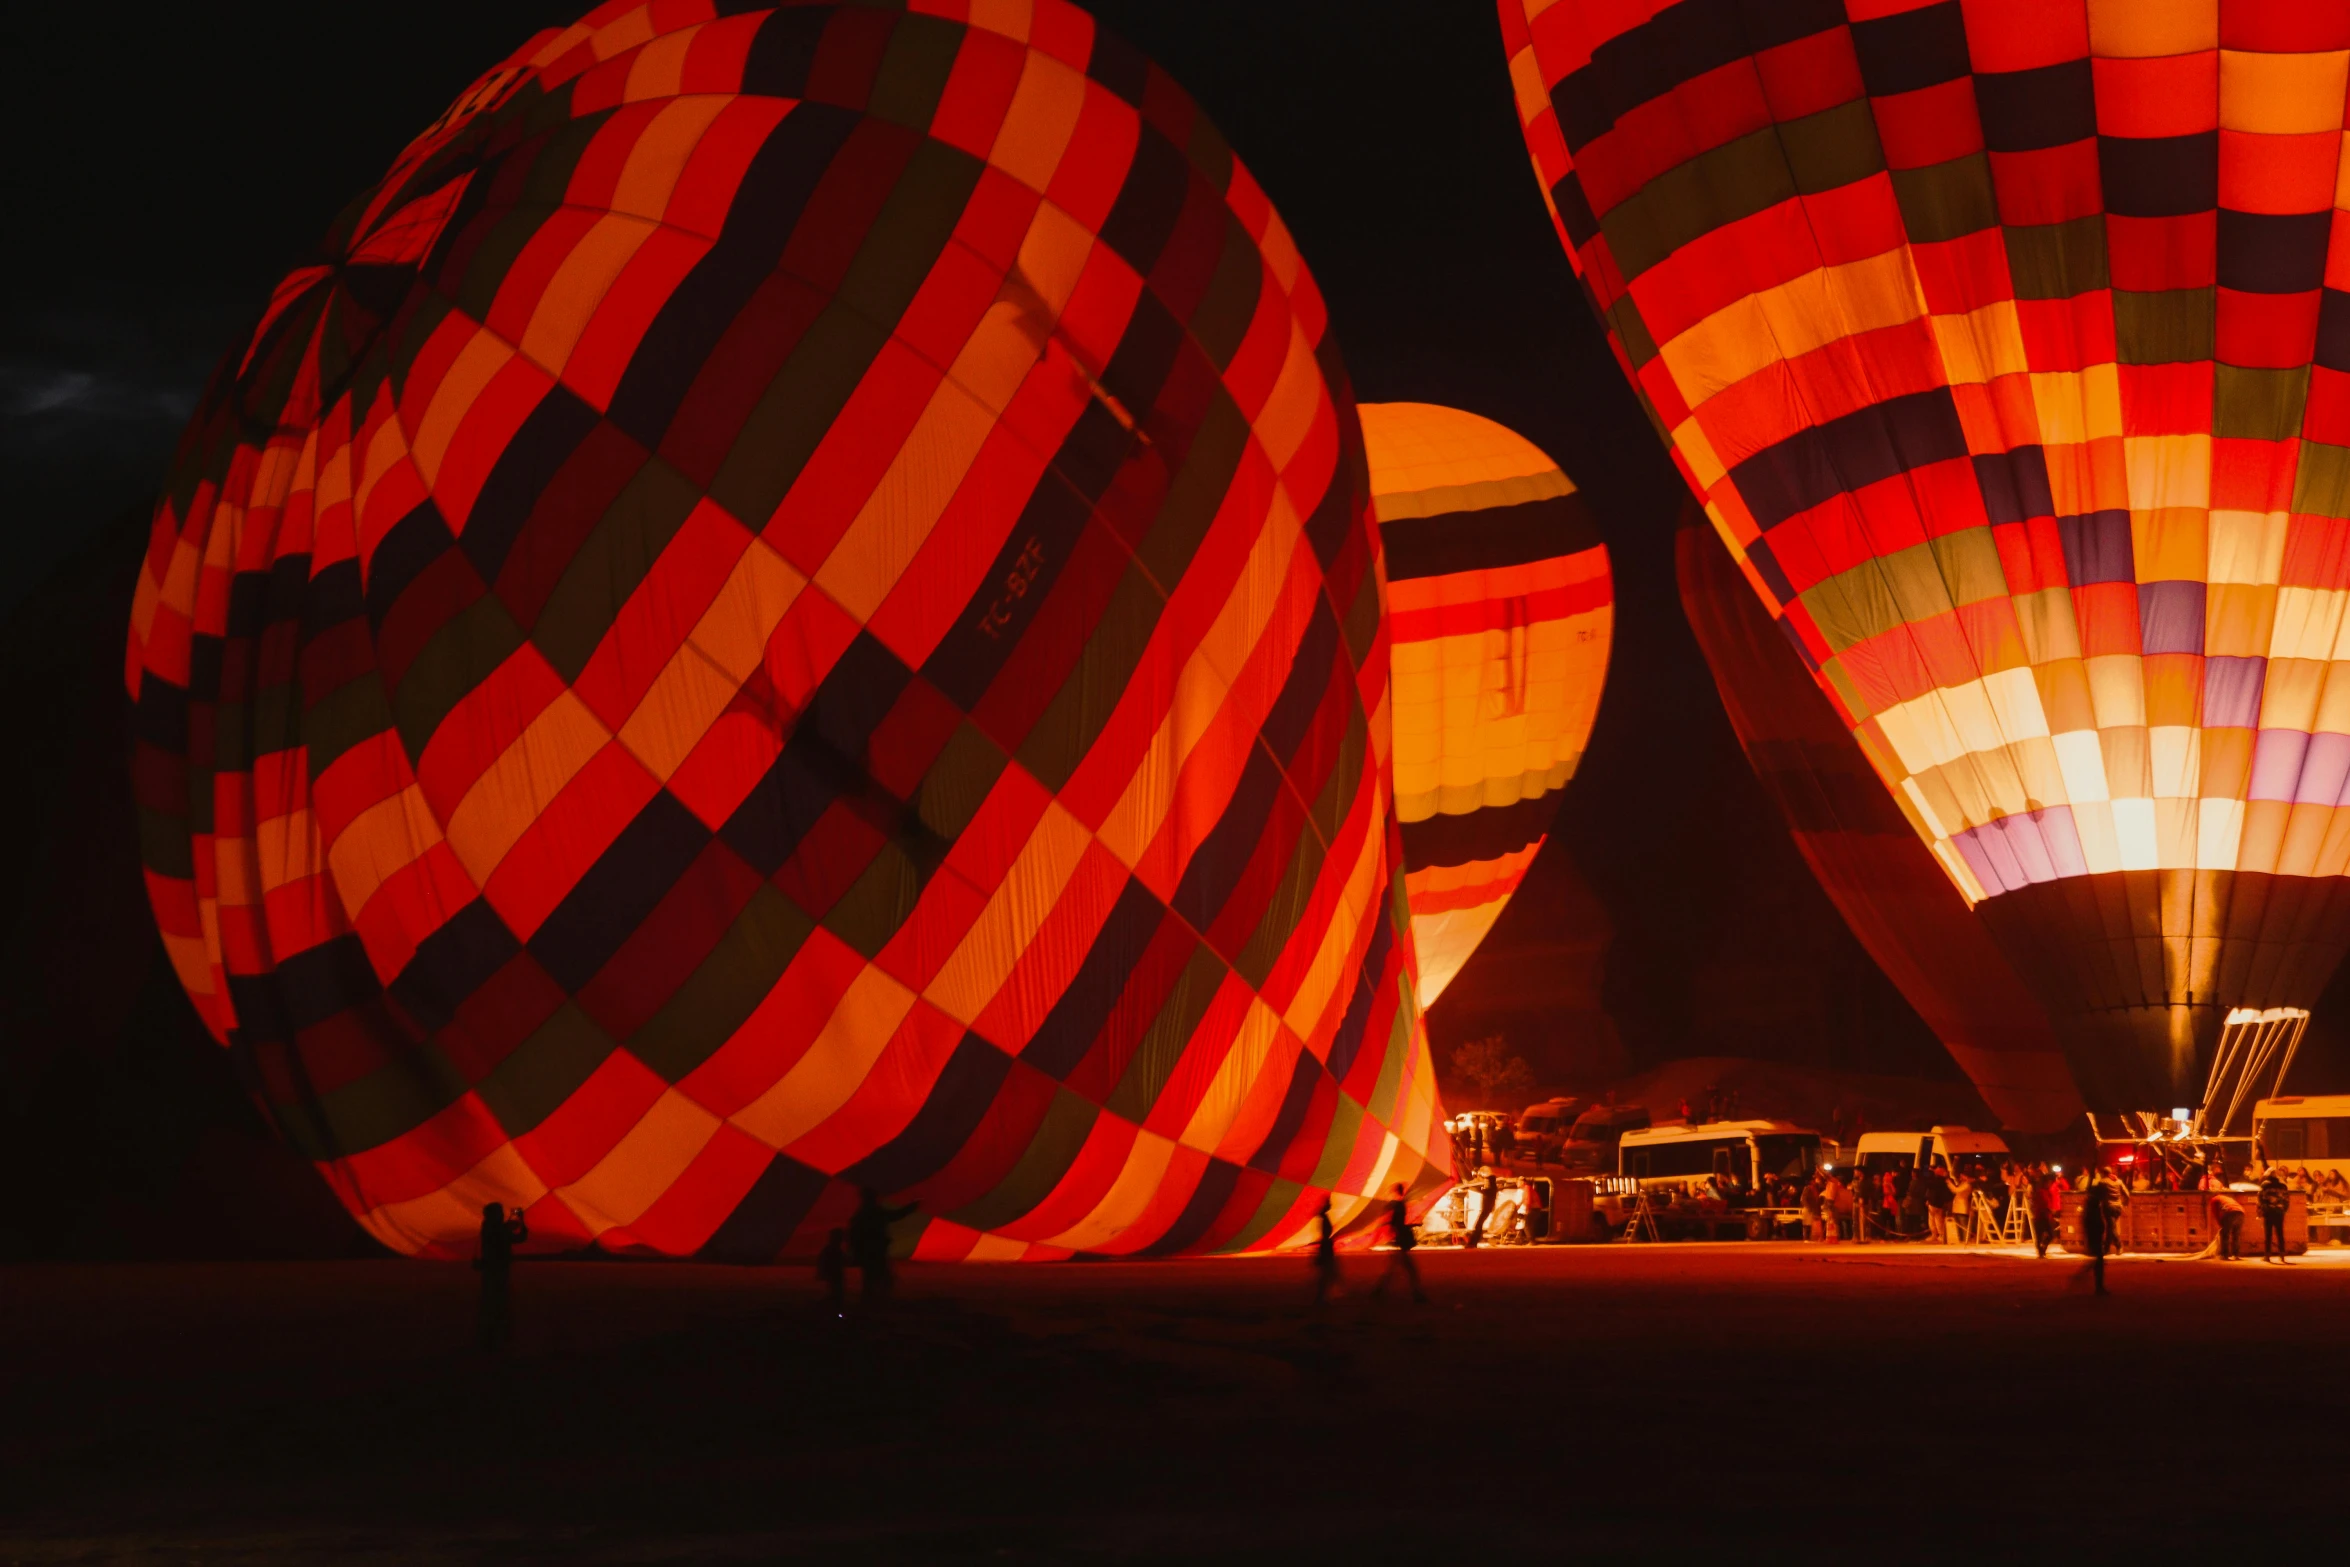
1999, 339
790, 603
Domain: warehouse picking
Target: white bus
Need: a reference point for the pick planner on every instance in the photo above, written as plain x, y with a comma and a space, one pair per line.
1675, 1167
2308, 1130
1745, 1152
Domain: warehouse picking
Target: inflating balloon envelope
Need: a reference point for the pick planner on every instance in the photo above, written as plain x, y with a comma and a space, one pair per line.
1500, 614
2002, 343
790, 603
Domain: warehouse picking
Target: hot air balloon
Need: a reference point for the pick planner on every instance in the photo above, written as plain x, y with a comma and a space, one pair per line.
1500, 609
789, 603
1998, 342
1884, 882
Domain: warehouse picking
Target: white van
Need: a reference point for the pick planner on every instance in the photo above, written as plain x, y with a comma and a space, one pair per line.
1947, 1146
2311, 1130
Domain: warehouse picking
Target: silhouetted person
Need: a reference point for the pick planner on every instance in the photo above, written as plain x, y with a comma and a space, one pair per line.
2100, 1215
501, 1232
2046, 1202
832, 1268
869, 1244
2276, 1199
1399, 1231
1326, 1279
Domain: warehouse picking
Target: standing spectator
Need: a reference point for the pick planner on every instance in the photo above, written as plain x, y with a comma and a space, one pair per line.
1913, 1201
1889, 1203
1962, 1208
1505, 1140
2227, 1218
1400, 1232
1814, 1192
501, 1231
1937, 1187
2046, 1199
2276, 1199
1536, 1212
1835, 1203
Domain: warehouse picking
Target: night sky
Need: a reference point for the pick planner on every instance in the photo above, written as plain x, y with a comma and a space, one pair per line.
189, 155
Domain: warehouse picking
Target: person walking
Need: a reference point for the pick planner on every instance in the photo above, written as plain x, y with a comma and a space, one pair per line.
832, 1271
1401, 1235
869, 1246
2227, 1219
2101, 1204
1326, 1276
502, 1230
2276, 1200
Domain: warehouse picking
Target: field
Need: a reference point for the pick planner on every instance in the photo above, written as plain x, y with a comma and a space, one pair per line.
1769, 1399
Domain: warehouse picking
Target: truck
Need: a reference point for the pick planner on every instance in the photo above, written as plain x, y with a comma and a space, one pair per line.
1590, 1148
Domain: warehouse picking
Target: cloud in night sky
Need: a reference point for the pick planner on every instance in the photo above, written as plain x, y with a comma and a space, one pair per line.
90, 405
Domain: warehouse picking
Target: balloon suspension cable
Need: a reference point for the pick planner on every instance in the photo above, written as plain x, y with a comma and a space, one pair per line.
2240, 1070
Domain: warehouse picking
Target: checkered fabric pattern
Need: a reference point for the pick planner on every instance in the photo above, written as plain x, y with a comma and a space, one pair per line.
2001, 340
789, 603
1500, 610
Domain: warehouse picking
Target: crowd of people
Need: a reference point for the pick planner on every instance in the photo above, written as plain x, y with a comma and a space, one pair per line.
2323, 1186
1482, 1140
1933, 1203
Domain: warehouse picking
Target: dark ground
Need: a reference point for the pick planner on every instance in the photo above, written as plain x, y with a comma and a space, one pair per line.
1768, 1400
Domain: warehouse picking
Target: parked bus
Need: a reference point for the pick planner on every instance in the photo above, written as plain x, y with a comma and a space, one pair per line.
1715, 1177
2310, 1130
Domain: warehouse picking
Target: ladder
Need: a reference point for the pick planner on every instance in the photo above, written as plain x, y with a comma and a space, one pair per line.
1643, 1219
2018, 1229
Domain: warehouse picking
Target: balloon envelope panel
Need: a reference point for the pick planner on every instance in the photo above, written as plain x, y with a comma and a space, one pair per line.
1996, 342
789, 603
1501, 610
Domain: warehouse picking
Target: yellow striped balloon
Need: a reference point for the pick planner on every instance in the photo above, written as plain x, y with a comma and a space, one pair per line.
1501, 610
